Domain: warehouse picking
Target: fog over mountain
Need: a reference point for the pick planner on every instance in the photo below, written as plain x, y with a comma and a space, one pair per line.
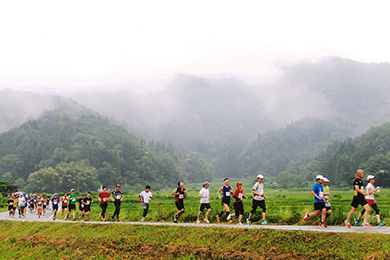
214, 116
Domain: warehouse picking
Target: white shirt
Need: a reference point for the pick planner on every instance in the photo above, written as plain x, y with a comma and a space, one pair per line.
258, 188
371, 187
146, 196
21, 201
204, 193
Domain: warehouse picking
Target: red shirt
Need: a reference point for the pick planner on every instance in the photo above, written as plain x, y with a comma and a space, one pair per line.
104, 195
239, 193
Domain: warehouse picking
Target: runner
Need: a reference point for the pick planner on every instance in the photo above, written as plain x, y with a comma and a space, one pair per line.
226, 191
39, 206
81, 206
54, 202
21, 203
117, 197
72, 204
31, 203
10, 204
204, 196
180, 193
16, 203
358, 198
370, 190
48, 200
238, 205
25, 204
319, 203
103, 200
258, 200
87, 209
44, 205
145, 196
327, 198
64, 205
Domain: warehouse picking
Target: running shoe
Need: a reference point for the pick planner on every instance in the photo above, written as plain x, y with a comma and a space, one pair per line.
143, 219
54, 218
367, 225
104, 220
347, 224
117, 220
100, 216
198, 221
323, 224
249, 221
381, 224
175, 221
218, 219
357, 222
230, 221
264, 222
207, 221
229, 217
112, 219
306, 217
239, 224
74, 219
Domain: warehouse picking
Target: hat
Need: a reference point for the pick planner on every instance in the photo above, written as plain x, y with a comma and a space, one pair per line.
205, 183
370, 177
226, 179
260, 176
325, 179
71, 190
55, 194
83, 194
319, 177
239, 183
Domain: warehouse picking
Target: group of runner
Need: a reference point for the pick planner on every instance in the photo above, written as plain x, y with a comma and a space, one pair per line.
320, 191
362, 196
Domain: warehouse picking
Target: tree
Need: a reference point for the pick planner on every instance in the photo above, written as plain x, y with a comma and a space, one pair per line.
284, 180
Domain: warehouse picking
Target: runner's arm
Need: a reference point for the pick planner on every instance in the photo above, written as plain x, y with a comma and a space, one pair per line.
219, 196
358, 190
175, 192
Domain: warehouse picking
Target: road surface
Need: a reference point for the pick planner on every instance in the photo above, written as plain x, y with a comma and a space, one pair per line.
30, 217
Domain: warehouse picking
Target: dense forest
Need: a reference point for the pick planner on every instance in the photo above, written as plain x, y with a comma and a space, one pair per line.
76, 148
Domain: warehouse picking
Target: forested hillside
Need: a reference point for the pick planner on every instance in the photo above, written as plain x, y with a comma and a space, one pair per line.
73, 147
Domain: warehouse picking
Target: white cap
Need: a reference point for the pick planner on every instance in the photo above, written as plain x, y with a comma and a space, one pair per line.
370, 177
71, 190
260, 176
319, 177
325, 179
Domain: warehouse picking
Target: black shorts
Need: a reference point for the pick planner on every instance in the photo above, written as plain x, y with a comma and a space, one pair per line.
72, 206
10, 207
258, 203
55, 207
239, 208
328, 208
87, 209
226, 200
358, 200
179, 205
81, 208
204, 205
319, 205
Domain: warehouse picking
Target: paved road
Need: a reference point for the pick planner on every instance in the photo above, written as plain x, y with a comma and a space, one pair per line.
339, 229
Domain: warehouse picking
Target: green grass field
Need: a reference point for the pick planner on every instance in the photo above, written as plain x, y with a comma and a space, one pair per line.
283, 206
28, 240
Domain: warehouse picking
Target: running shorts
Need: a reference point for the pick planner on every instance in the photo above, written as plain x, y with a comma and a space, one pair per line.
239, 208
179, 205
204, 205
357, 200
72, 206
226, 200
319, 206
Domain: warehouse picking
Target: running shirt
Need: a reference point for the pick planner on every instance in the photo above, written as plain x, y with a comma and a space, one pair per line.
359, 183
258, 188
238, 194
226, 191
104, 195
15, 202
64, 201
319, 191
73, 199
117, 194
205, 193
81, 204
88, 202
181, 195
40, 202
371, 187
10, 202
326, 196
55, 201
145, 196
48, 200
22, 201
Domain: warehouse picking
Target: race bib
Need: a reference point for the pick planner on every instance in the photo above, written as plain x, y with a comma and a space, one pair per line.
11, 203
181, 196
361, 188
104, 199
240, 195
65, 201
118, 197
321, 194
227, 194
73, 199
55, 202
87, 202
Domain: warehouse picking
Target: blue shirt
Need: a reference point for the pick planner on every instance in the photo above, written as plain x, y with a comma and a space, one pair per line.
319, 191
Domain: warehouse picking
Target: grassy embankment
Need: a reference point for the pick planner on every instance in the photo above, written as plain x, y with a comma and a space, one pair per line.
26, 240
283, 206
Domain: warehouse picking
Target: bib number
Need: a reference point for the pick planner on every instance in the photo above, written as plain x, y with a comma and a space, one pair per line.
227, 194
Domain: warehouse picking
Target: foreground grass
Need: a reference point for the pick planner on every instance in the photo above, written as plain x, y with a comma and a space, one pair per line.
22, 240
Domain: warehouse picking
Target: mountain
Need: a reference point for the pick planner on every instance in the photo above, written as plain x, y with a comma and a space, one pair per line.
75, 147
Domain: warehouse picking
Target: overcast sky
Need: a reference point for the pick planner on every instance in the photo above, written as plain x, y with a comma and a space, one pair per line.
79, 44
